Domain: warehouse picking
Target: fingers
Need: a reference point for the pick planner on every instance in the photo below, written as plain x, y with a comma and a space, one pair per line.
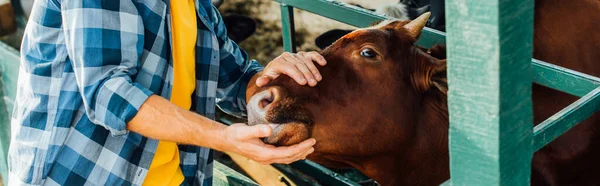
311, 66
262, 81
267, 76
300, 74
315, 56
288, 160
284, 64
287, 154
250, 132
309, 58
303, 65
299, 67
295, 158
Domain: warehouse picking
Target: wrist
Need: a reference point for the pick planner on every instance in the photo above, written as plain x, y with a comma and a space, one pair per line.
201, 131
216, 137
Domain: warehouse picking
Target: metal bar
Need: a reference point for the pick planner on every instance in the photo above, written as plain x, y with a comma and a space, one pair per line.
566, 119
324, 175
489, 99
357, 17
563, 79
335, 10
288, 28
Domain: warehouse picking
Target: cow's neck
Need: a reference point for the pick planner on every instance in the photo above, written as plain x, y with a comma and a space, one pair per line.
426, 162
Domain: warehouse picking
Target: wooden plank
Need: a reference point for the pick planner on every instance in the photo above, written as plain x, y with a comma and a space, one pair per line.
287, 28
566, 119
262, 174
489, 74
224, 175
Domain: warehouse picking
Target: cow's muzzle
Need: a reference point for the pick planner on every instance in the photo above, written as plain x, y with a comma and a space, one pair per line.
271, 107
259, 104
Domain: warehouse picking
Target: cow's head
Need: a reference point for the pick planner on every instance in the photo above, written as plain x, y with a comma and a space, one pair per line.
376, 87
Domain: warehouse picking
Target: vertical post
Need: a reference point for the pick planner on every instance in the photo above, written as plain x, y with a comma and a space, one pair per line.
9, 71
4, 134
287, 28
489, 99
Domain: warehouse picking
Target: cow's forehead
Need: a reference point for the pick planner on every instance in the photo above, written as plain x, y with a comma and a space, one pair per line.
366, 34
382, 24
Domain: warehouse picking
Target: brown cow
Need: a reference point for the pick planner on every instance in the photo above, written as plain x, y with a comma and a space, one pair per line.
381, 106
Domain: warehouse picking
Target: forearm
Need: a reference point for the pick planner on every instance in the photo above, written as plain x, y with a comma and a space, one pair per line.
160, 119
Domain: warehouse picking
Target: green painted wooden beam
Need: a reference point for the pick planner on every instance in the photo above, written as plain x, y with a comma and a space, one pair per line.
355, 16
336, 10
4, 136
563, 79
9, 69
288, 28
9, 65
489, 100
566, 119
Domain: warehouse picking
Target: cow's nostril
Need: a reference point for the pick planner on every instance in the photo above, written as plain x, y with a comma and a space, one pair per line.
262, 100
265, 102
270, 96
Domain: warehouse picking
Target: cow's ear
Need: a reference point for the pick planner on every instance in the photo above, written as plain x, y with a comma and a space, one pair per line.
430, 73
438, 78
415, 26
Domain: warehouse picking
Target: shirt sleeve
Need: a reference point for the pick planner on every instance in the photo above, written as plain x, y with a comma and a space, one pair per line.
235, 72
104, 43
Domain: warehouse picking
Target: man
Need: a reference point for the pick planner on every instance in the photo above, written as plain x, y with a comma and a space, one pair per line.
105, 87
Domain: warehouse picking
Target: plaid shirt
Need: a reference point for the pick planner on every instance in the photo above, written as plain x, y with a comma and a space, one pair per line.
86, 68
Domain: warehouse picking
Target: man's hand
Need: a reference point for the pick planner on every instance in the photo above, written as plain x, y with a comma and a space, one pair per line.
299, 66
245, 140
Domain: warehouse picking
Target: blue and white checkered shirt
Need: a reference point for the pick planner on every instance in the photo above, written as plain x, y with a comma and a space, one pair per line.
86, 68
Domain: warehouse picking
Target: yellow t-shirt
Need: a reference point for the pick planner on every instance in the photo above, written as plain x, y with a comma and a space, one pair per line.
165, 169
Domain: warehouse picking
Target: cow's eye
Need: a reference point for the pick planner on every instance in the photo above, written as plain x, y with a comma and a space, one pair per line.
368, 53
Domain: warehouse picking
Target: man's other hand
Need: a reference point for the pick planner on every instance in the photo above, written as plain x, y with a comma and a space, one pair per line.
299, 66
245, 140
